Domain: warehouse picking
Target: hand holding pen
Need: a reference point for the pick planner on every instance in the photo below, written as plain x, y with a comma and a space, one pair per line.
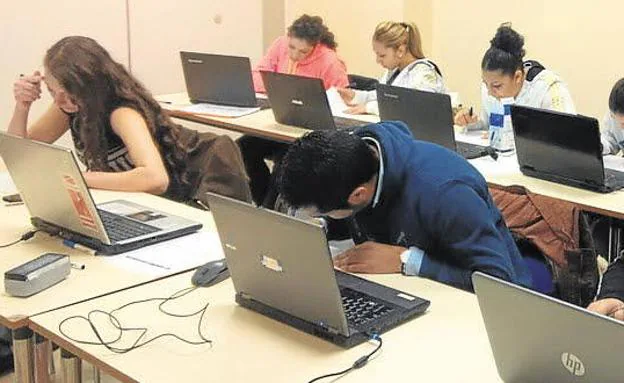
465, 117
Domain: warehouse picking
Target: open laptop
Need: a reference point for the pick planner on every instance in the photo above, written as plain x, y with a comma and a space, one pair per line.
302, 101
282, 268
536, 338
429, 116
59, 202
221, 80
563, 148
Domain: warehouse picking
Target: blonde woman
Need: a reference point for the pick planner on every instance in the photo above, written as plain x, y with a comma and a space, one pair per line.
398, 48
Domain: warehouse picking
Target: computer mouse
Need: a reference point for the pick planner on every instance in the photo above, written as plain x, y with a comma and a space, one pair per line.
211, 273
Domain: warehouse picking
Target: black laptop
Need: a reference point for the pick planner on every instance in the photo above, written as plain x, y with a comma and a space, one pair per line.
281, 267
563, 148
220, 80
429, 116
302, 101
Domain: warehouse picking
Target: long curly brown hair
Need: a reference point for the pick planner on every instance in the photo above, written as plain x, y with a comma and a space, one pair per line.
98, 84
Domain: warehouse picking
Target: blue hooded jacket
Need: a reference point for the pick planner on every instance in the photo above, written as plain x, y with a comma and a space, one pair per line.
433, 199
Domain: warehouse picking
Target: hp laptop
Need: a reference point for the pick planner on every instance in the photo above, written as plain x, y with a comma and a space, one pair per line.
536, 338
221, 80
563, 148
59, 202
429, 115
302, 101
282, 268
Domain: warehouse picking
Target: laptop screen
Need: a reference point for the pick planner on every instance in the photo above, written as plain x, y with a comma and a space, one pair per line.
429, 115
559, 144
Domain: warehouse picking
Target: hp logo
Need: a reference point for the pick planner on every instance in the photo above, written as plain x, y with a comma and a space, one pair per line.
573, 364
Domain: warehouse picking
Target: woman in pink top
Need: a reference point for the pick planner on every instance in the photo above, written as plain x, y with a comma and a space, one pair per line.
308, 49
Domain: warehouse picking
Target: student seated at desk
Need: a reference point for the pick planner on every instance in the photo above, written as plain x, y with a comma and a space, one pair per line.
398, 49
610, 299
414, 207
120, 133
309, 49
506, 75
612, 135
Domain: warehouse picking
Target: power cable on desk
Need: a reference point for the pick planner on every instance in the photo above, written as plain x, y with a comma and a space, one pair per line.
25, 237
143, 330
361, 362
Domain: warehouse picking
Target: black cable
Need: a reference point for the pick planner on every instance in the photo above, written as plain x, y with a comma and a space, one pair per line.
25, 237
142, 330
361, 362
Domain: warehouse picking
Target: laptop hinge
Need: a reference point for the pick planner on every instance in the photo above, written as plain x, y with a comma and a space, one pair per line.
329, 329
245, 296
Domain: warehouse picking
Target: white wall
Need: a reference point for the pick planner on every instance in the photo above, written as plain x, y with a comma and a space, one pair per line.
29, 27
160, 30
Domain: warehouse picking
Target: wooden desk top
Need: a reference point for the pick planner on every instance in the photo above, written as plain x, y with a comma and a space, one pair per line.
261, 124
99, 277
447, 344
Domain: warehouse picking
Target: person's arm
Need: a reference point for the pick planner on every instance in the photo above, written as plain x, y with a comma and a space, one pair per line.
149, 174
49, 127
558, 98
335, 75
610, 298
462, 223
268, 63
611, 136
481, 122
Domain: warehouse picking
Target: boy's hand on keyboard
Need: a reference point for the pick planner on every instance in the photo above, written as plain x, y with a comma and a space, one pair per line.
371, 257
610, 307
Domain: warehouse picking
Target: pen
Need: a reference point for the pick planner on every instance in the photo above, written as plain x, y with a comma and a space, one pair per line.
78, 246
470, 112
147, 262
78, 266
165, 102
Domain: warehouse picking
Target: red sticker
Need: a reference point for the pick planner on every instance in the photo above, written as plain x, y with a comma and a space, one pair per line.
80, 205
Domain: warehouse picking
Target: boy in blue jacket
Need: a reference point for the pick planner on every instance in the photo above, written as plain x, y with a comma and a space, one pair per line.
414, 207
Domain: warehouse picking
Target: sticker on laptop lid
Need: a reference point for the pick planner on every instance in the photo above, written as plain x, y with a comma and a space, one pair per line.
78, 201
271, 263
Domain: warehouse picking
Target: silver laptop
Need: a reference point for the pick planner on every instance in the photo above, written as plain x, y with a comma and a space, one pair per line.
51, 185
282, 268
536, 338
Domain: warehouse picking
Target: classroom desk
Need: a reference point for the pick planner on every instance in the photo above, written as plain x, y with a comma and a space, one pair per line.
99, 277
446, 344
260, 124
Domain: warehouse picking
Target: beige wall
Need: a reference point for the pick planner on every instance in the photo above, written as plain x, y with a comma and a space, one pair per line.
159, 30
580, 40
29, 27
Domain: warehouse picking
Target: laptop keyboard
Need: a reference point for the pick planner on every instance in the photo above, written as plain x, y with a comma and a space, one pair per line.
361, 308
470, 151
343, 122
121, 228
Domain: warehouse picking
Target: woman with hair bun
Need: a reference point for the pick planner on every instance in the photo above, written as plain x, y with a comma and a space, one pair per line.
506, 74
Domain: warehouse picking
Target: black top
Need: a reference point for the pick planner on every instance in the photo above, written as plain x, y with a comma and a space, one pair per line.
613, 281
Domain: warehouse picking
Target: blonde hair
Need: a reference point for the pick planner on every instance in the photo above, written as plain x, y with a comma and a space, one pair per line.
392, 35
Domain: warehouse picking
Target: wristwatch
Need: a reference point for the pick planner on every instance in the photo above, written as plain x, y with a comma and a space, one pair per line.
404, 258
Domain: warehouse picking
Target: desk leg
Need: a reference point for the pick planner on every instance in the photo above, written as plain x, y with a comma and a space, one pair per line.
96, 375
23, 356
42, 359
72, 367
51, 367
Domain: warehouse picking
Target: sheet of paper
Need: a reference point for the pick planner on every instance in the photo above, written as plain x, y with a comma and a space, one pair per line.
172, 256
6, 184
336, 103
614, 162
219, 110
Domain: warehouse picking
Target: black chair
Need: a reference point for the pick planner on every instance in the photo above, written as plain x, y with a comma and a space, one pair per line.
362, 82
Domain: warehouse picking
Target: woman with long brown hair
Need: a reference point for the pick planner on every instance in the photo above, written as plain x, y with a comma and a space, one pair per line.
120, 132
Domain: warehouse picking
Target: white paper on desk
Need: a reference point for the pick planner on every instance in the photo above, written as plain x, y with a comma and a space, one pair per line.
614, 162
171, 256
6, 184
336, 103
219, 110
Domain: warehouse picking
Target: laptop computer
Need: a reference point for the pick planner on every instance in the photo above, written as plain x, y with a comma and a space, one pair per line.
282, 268
302, 101
563, 148
536, 338
51, 185
221, 80
429, 116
